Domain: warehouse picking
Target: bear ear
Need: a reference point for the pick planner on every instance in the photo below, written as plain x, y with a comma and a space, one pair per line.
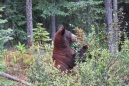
62, 30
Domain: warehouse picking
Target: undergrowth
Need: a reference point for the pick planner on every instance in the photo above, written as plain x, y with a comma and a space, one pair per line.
101, 69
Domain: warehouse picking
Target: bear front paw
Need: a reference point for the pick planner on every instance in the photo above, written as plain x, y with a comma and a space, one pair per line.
85, 47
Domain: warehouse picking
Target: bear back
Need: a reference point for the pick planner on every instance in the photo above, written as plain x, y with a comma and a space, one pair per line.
63, 55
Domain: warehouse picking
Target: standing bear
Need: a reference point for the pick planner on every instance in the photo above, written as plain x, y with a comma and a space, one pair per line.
63, 55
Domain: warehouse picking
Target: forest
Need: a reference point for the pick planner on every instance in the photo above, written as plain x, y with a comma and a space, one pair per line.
27, 30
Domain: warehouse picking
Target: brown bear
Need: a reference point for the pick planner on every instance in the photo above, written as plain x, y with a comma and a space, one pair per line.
63, 55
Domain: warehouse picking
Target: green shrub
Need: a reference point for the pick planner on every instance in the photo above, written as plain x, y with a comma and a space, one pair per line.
4, 34
102, 70
41, 36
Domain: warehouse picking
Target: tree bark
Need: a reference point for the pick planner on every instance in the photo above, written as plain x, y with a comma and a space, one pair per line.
29, 23
115, 26
108, 8
53, 26
111, 25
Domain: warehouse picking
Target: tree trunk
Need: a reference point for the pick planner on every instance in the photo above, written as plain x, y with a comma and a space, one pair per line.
29, 23
108, 7
53, 26
111, 25
115, 26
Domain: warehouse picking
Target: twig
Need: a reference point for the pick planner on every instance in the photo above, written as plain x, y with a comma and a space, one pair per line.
15, 79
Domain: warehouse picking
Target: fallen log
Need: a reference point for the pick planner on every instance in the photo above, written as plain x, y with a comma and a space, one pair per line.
15, 79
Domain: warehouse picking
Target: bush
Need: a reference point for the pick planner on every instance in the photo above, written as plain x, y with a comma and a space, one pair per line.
102, 70
41, 36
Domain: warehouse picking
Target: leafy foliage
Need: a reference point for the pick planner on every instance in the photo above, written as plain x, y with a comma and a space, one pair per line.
21, 48
4, 37
4, 34
48, 8
101, 69
15, 14
86, 13
40, 35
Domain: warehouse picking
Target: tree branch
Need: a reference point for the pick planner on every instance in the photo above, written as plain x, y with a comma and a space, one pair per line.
15, 79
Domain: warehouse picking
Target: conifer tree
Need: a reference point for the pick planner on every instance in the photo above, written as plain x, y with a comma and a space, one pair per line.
4, 34
40, 35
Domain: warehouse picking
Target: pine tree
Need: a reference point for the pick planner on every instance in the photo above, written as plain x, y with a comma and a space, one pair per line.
4, 34
40, 35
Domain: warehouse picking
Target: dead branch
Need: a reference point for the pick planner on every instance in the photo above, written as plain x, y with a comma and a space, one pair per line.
15, 79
